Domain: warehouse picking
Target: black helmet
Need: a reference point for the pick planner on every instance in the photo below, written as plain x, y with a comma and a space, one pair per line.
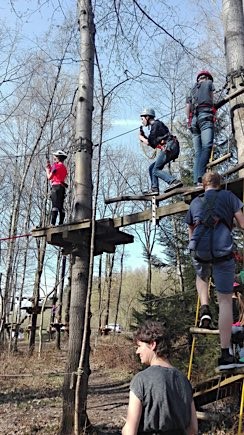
148, 112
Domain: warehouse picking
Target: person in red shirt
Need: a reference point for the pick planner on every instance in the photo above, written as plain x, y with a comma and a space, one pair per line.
57, 173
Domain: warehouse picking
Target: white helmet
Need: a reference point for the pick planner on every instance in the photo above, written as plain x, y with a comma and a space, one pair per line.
148, 112
60, 153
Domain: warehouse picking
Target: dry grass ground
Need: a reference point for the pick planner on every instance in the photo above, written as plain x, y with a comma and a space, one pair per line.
31, 403
30, 389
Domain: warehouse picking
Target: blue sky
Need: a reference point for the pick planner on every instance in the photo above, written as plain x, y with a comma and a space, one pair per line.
33, 22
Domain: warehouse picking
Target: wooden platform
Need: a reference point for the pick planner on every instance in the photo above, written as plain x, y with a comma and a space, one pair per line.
70, 236
108, 234
188, 192
236, 186
229, 383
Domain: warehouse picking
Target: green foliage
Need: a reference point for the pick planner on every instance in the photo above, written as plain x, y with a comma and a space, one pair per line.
176, 311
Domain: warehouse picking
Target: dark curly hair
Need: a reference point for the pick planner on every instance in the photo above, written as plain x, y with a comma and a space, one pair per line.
154, 331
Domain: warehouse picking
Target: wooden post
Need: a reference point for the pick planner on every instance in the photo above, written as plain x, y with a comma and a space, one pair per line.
82, 210
233, 20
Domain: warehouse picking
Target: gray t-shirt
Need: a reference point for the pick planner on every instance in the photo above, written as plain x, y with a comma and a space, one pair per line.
166, 397
201, 95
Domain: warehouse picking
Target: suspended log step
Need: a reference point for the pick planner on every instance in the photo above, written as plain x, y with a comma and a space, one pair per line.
219, 160
71, 236
209, 416
236, 370
233, 169
141, 197
196, 330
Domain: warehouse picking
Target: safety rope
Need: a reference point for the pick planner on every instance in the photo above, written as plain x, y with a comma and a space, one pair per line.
145, 150
15, 237
241, 410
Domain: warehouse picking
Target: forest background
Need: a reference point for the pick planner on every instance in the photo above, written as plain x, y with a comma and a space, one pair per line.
146, 55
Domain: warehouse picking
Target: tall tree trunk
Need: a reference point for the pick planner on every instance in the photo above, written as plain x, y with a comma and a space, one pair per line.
109, 274
99, 289
36, 293
83, 210
41, 251
233, 19
26, 227
60, 303
20, 184
120, 285
10, 254
55, 290
67, 307
177, 255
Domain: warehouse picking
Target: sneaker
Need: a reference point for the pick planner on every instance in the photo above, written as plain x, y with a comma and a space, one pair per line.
153, 191
205, 317
199, 186
230, 362
174, 185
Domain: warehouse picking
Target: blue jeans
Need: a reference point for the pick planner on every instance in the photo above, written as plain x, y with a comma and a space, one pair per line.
202, 128
156, 172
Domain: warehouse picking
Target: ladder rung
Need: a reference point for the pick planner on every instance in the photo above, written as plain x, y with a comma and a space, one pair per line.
234, 371
196, 330
219, 160
208, 416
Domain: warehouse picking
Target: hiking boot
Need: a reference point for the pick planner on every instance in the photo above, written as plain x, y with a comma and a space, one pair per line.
205, 317
230, 362
153, 191
173, 185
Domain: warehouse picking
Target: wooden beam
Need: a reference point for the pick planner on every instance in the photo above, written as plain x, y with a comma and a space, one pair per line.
229, 97
229, 386
135, 218
208, 416
40, 232
195, 330
234, 169
232, 379
160, 197
219, 160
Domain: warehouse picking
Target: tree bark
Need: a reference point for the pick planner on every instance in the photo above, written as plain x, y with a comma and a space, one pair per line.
36, 293
99, 289
109, 273
120, 285
82, 210
60, 303
233, 20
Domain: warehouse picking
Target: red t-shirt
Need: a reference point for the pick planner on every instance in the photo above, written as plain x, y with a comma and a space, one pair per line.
59, 173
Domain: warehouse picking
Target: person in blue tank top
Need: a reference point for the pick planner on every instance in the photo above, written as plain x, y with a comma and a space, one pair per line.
211, 249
